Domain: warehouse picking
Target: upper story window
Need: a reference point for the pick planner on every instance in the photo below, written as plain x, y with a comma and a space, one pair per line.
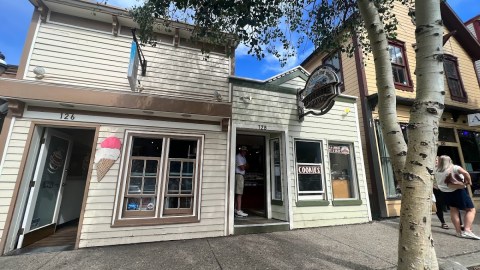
454, 81
400, 69
335, 61
161, 181
309, 166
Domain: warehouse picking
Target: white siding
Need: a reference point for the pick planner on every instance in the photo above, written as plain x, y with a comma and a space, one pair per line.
472, 30
11, 167
96, 229
294, 83
279, 109
87, 58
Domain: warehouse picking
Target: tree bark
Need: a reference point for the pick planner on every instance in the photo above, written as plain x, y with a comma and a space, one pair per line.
416, 248
387, 102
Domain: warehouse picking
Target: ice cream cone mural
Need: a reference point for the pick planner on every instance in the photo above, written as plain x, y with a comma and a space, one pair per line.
107, 155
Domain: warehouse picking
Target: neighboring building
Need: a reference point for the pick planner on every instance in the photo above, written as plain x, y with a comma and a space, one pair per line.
473, 25
175, 137
71, 93
458, 138
265, 119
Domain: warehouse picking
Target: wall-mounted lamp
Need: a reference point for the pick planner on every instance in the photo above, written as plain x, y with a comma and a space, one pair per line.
246, 99
217, 96
3, 64
39, 72
346, 111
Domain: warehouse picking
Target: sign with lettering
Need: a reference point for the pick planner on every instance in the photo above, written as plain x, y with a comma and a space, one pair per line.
474, 119
344, 150
319, 92
309, 169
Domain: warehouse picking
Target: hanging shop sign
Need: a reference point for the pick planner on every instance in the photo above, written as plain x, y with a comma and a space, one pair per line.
319, 92
474, 119
136, 57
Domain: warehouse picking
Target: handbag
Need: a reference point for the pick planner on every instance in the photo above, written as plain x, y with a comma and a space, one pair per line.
455, 181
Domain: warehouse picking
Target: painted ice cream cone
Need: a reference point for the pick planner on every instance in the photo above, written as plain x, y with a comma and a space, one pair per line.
107, 155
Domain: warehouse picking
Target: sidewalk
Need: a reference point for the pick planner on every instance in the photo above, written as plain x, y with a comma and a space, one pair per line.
365, 246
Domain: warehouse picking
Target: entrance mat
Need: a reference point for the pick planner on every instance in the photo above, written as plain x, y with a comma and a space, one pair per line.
266, 228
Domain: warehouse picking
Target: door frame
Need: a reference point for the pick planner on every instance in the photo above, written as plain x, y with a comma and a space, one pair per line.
263, 130
20, 191
28, 235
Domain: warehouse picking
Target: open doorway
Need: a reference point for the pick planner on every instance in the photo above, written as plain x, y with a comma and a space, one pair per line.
55, 191
254, 193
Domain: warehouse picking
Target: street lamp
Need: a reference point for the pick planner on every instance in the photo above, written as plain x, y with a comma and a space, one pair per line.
3, 64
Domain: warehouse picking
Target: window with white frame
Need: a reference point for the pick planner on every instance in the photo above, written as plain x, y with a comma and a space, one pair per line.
161, 176
309, 167
342, 170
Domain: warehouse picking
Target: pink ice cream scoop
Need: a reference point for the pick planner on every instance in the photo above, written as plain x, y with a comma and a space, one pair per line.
106, 156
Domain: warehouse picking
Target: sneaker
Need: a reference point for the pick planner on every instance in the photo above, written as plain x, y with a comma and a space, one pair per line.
470, 235
240, 213
461, 235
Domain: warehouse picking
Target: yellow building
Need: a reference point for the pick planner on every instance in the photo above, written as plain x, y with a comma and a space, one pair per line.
459, 131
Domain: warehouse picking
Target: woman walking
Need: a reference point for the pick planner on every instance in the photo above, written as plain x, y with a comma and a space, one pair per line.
455, 195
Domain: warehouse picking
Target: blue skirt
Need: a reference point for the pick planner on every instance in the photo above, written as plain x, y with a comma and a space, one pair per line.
458, 199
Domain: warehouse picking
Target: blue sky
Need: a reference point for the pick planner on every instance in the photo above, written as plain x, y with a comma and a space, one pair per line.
16, 15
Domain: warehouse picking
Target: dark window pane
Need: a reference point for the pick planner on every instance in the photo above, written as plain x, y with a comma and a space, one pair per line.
187, 169
149, 185
182, 149
309, 182
185, 202
450, 69
147, 147
135, 186
400, 75
175, 168
334, 60
308, 152
173, 186
151, 169
171, 202
446, 134
186, 186
137, 167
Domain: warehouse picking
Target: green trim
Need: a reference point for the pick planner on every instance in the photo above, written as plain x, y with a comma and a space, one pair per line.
260, 229
312, 203
277, 202
288, 77
347, 203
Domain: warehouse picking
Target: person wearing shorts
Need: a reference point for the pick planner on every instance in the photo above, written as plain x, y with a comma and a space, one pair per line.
240, 166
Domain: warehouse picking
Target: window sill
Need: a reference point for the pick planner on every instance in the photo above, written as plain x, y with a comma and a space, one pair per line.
459, 99
403, 87
312, 203
153, 221
346, 202
277, 202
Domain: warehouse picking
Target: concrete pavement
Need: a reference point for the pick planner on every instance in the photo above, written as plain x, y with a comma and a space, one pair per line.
364, 246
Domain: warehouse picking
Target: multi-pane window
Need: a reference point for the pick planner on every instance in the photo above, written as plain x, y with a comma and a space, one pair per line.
161, 177
342, 172
334, 61
309, 168
399, 64
454, 80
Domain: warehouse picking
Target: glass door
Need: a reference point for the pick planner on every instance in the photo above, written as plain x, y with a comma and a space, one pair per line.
278, 206
46, 187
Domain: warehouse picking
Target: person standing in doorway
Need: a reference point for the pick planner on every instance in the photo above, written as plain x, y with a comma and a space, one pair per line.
456, 196
240, 167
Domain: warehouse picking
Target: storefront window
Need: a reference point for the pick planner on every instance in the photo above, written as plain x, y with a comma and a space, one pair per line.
145, 181
392, 190
309, 169
470, 143
446, 134
343, 180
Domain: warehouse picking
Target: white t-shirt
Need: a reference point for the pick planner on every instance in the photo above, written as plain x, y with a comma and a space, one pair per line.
440, 177
239, 161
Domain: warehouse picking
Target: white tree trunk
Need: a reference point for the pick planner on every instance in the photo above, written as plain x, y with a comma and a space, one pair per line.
415, 248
